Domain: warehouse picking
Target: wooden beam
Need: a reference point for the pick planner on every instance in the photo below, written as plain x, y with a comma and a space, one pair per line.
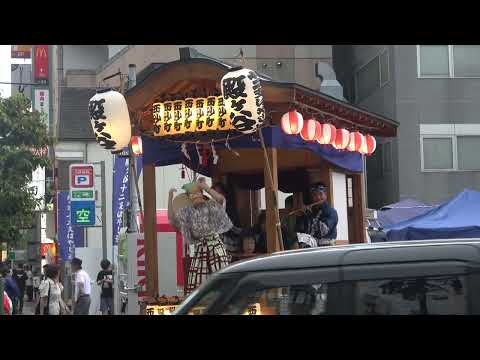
273, 243
150, 224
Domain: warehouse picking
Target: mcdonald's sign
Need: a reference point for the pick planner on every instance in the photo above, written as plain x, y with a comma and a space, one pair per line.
40, 62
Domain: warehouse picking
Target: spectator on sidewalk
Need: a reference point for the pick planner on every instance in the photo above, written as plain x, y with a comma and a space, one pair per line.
51, 302
10, 288
36, 285
82, 288
20, 277
29, 283
105, 281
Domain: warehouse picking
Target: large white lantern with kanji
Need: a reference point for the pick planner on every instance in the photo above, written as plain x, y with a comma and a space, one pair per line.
242, 93
110, 120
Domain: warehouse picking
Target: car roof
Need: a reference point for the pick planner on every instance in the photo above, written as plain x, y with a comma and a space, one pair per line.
356, 254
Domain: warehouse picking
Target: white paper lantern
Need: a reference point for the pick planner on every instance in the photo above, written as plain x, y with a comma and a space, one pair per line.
110, 120
242, 92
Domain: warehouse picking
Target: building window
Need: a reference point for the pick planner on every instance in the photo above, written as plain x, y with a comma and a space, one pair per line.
468, 149
438, 153
371, 76
455, 148
448, 61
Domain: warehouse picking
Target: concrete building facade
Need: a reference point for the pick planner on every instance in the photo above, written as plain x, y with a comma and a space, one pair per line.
433, 91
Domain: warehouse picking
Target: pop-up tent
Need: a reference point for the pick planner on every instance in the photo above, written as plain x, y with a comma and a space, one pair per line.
457, 218
401, 211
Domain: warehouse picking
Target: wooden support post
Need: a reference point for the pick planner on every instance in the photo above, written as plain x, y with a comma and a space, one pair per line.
150, 231
273, 241
359, 208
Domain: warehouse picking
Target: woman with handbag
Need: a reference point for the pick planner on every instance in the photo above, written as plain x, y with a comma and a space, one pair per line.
51, 302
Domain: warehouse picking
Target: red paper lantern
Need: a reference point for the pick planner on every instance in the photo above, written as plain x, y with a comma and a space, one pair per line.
369, 145
311, 131
137, 147
329, 133
292, 122
357, 140
342, 139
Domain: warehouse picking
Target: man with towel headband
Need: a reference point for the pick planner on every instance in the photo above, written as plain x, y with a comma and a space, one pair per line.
320, 219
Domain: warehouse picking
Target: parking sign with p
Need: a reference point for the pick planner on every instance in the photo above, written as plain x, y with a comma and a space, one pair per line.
82, 195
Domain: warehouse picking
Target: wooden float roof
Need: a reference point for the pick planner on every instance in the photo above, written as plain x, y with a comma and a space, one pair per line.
201, 75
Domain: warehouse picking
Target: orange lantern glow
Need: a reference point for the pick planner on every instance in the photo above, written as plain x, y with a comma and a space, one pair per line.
137, 145
342, 139
329, 132
356, 141
292, 122
312, 130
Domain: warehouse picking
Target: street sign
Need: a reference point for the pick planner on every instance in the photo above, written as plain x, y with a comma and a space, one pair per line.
83, 213
82, 195
11, 255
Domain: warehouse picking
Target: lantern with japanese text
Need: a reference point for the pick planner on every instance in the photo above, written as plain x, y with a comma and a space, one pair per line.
292, 122
312, 130
242, 93
329, 133
137, 147
341, 139
110, 120
201, 114
190, 122
158, 113
369, 145
178, 117
356, 141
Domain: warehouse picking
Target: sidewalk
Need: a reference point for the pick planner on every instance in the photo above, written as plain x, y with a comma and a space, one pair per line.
28, 308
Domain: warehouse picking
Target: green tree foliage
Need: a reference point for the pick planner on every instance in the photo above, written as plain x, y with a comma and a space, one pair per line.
21, 133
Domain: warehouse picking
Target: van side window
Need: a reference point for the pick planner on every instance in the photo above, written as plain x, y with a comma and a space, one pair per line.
438, 295
308, 299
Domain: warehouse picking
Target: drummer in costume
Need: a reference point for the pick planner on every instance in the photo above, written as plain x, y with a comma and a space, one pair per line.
200, 222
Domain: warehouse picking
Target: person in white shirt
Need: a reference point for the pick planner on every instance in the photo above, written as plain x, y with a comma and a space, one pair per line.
51, 302
83, 288
29, 283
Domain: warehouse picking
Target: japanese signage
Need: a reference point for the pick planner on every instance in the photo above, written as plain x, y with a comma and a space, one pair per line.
40, 61
38, 185
120, 197
192, 115
21, 51
69, 237
160, 310
82, 195
41, 104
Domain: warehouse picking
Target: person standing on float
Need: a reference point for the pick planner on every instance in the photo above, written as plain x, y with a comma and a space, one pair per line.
200, 222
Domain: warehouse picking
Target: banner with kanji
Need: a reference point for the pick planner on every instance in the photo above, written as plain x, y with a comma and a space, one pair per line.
121, 194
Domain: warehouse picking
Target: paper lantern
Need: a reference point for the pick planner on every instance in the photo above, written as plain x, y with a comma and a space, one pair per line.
311, 130
158, 114
369, 145
137, 147
190, 122
224, 119
110, 120
168, 118
329, 133
201, 114
242, 93
211, 121
292, 122
178, 117
356, 141
341, 139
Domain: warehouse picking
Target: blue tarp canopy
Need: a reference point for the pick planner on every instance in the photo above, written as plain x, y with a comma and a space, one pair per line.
457, 218
401, 211
162, 152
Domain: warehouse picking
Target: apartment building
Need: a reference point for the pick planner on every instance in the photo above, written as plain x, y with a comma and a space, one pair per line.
433, 91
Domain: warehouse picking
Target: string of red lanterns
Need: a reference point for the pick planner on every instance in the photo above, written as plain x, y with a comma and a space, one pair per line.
310, 130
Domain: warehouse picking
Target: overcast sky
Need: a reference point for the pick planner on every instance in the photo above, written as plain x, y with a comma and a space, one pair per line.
5, 72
